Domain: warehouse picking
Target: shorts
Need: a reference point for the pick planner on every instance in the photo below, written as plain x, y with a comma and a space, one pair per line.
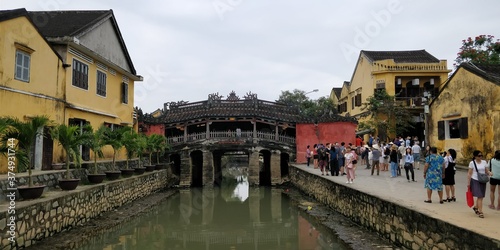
416, 157
494, 181
315, 157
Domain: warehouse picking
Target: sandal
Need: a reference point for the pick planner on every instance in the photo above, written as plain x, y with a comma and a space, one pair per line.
475, 210
481, 215
492, 206
428, 201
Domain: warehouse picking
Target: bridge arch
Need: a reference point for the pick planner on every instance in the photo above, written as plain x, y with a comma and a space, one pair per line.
196, 159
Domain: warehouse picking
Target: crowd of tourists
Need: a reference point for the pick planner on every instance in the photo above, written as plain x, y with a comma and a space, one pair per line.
339, 159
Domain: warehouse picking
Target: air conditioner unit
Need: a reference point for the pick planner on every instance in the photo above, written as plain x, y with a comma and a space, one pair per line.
399, 81
416, 82
432, 81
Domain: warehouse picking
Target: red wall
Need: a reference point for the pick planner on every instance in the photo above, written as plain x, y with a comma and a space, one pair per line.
153, 129
310, 134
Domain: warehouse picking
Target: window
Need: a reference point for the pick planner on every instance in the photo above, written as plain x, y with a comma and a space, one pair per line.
22, 66
101, 83
124, 92
353, 102
358, 100
453, 129
80, 74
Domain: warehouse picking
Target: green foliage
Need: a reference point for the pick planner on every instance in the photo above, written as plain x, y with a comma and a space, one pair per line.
25, 132
386, 114
483, 49
156, 143
130, 140
308, 109
95, 140
114, 139
71, 138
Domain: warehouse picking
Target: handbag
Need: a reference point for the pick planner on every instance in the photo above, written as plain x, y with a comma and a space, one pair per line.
469, 198
482, 178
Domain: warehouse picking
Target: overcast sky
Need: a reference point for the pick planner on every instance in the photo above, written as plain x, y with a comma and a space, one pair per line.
187, 49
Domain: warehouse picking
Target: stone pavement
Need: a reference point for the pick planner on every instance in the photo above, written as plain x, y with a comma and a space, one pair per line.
412, 195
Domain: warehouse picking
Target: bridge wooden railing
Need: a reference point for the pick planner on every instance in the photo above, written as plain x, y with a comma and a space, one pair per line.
224, 135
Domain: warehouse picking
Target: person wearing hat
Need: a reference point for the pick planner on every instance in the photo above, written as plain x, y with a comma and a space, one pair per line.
376, 155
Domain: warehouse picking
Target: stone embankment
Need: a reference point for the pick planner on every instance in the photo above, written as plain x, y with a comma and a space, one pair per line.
57, 211
376, 203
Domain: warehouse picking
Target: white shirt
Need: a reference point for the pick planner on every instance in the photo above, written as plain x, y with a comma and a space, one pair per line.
448, 159
481, 167
415, 149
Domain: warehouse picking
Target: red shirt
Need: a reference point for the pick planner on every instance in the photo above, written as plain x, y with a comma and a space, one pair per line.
359, 142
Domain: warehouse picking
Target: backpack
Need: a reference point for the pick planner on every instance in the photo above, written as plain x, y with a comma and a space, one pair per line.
322, 153
387, 151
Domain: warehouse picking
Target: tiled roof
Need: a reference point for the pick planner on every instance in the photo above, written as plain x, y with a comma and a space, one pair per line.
226, 109
490, 72
9, 14
338, 92
66, 23
408, 56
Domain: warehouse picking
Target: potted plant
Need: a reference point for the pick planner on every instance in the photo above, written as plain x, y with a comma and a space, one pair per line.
149, 149
25, 134
95, 141
129, 141
70, 138
160, 144
140, 147
114, 139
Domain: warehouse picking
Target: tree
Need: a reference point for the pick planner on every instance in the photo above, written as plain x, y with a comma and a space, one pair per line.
70, 138
95, 141
308, 109
25, 133
386, 115
483, 49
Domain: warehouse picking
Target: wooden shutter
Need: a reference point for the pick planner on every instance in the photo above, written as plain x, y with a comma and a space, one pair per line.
124, 92
463, 126
441, 133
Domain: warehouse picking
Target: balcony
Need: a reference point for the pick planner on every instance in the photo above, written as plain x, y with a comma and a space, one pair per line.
411, 102
230, 135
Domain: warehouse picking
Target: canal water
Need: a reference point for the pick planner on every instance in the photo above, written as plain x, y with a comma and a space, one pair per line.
233, 216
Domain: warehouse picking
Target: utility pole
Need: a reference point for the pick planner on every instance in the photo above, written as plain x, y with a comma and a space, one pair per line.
426, 101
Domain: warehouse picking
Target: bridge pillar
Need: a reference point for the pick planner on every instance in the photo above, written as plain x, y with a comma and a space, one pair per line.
185, 176
275, 167
208, 168
253, 168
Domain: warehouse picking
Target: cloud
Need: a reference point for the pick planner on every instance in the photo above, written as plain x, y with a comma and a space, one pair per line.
270, 46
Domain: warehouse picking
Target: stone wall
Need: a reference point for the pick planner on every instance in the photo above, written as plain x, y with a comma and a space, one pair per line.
61, 210
401, 225
50, 178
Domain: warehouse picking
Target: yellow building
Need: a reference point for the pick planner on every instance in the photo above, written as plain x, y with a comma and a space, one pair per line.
466, 113
408, 75
70, 65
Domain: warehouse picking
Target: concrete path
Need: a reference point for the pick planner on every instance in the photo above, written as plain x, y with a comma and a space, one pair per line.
413, 194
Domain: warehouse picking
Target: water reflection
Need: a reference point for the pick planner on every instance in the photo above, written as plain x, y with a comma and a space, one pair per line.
204, 219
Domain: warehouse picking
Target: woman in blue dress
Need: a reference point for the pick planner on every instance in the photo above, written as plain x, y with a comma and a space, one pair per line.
434, 174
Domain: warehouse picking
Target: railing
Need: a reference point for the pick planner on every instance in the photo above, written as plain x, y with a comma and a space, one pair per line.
413, 102
233, 135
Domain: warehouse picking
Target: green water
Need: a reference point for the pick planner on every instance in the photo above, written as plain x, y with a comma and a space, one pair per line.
233, 216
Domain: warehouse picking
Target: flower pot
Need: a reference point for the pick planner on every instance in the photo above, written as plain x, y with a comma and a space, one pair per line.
96, 178
33, 192
160, 166
68, 184
139, 171
112, 175
150, 168
127, 172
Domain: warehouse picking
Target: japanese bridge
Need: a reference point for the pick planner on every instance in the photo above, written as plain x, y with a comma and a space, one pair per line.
201, 133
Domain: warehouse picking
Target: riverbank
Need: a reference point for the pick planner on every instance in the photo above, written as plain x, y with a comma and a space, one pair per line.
322, 217
395, 209
108, 221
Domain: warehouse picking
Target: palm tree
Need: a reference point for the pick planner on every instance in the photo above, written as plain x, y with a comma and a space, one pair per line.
160, 144
95, 140
114, 139
70, 139
26, 133
130, 142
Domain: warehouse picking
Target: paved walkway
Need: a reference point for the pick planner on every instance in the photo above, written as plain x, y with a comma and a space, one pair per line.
413, 194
